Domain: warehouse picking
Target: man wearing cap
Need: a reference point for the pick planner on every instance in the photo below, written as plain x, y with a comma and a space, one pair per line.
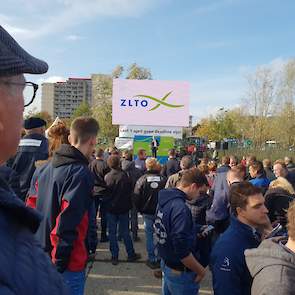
25, 268
32, 147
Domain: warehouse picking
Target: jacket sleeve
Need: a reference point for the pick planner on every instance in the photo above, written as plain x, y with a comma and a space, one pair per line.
181, 229
227, 274
14, 182
76, 200
164, 170
137, 195
31, 200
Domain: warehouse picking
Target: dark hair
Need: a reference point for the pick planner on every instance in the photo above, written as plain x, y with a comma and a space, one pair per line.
99, 153
172, 153
186, 162
240, 193
113, 162
83, 128
258, 167
193, 175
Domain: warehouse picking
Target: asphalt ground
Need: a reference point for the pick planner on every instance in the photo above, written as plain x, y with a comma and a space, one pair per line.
127, 278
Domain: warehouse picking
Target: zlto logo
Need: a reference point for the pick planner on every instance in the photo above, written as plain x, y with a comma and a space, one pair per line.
145, 101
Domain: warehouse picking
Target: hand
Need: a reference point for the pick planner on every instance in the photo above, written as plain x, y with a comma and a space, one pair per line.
200, 276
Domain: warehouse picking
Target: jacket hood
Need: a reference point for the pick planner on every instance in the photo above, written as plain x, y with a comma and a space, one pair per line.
66, 155
270, 252
167, 195
16, 209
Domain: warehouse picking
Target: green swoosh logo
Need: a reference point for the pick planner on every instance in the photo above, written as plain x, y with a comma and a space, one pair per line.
160, 101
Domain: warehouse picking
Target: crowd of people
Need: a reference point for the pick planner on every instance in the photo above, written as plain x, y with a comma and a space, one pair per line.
234, 217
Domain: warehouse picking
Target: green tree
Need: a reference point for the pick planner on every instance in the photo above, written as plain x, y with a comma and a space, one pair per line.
42, 115
138, 73
82, 110
117, 71
103, 114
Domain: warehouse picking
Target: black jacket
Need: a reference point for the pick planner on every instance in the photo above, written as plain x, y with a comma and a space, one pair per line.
63, 194
31, 148
133, 173
25, 267
146, 192
119, 187
171, 167
99, 168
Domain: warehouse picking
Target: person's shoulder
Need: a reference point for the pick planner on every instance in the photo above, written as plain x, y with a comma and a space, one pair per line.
20, 250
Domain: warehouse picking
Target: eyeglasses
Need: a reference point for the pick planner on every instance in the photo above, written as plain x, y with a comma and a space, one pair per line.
29, 92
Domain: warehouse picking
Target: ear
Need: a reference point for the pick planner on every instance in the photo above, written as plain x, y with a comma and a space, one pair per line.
70, 139
93, 141
240, 211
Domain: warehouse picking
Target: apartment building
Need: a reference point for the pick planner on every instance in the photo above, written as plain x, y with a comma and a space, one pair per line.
61, 99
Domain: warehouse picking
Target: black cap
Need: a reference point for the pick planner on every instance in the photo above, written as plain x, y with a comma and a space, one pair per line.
33, 122
14, 60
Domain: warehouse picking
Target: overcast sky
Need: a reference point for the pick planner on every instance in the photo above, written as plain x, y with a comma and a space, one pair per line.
212, 44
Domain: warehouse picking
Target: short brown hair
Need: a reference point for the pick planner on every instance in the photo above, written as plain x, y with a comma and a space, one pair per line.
280, 162
193, 175
291, 221
266, 163
83, 128
257, 166
99, 153
234, 159
113, 162
186, 162
238, 171
127, 155
225, 160
203, 168
141, 152
240, 193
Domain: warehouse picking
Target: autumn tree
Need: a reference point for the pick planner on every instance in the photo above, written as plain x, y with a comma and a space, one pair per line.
83, 110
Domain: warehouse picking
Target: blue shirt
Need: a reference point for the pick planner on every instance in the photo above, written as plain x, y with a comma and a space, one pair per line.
228, 264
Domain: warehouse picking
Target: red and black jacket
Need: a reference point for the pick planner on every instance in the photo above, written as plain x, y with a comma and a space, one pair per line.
62, 192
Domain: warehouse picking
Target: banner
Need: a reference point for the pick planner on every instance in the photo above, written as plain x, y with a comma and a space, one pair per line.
144, 142
150, 102
131, 131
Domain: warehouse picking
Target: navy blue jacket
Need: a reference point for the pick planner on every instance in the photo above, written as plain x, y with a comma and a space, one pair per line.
25, 267
174, 226
219, 209
63, 193
228, 264
31, 148
171, 167
11, 177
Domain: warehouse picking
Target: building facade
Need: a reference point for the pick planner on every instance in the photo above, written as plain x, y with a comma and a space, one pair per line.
61, 99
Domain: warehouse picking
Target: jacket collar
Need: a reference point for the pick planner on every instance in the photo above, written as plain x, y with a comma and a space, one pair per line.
245, 229
67, 155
